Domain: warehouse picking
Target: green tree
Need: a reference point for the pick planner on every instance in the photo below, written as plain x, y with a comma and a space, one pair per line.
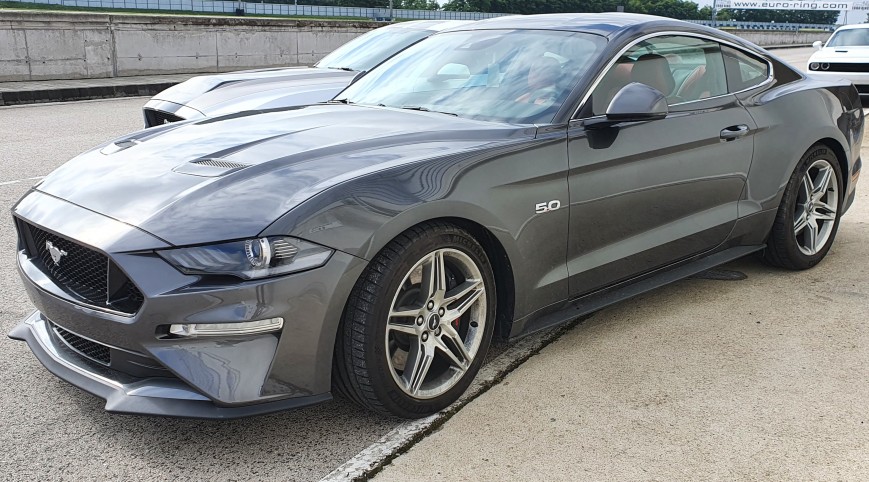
417, 4
706, 14
364, 3
683, 10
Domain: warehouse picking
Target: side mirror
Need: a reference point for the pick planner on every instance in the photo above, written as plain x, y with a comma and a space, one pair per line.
818, 44
634, 102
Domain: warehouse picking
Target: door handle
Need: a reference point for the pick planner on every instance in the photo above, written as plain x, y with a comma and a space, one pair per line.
734, 132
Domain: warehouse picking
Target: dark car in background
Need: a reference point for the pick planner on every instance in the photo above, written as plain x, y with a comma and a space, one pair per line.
212, 95
491, 180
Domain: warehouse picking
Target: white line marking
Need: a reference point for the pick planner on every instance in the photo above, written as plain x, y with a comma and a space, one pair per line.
371, 459
6, 183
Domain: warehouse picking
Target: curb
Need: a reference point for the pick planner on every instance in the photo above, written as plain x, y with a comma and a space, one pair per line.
371, 460
789, 46
82, 93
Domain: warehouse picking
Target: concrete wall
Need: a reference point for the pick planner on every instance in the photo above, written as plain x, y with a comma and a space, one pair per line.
773, 38
43, 46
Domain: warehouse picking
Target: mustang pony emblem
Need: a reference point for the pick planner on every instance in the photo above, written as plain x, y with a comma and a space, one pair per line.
55, 252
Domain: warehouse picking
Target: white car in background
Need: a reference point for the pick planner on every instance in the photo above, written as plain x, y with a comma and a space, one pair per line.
845, 55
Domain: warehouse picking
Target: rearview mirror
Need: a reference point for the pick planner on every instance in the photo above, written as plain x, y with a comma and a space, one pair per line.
818, 44
634, 102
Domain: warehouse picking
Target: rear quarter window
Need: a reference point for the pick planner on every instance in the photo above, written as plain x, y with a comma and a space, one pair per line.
744, 71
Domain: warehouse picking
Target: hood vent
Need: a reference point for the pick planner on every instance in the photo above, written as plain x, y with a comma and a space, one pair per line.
119, 146
219, 163
208, 167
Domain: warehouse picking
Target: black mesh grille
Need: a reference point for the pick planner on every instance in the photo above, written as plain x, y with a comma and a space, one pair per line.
844, 67
128, 299
158, 118
91, 349
83, 272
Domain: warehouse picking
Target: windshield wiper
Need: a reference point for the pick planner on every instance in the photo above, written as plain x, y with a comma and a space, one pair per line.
339, 101
426, 109
346, 69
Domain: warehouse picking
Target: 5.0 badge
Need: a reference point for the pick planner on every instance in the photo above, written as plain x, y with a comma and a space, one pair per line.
546, 207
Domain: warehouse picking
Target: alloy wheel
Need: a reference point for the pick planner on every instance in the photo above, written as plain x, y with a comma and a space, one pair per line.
436, 323
815, 207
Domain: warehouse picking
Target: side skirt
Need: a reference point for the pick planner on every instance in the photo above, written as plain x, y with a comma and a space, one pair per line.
601, 299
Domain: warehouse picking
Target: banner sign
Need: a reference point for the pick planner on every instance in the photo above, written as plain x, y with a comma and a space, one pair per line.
786, 5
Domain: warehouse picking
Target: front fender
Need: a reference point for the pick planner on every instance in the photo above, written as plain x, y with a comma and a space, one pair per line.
496, 188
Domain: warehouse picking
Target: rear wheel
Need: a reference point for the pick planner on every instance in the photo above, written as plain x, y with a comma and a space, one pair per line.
808, 217
418, 323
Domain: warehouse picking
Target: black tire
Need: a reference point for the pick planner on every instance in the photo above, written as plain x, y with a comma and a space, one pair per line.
783, 247
361, 371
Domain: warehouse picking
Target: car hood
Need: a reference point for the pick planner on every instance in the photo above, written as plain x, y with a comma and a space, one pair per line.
309, 86
841, 54
192, 89
230, 177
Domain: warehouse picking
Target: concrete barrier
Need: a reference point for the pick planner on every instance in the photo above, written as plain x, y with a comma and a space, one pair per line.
774, 38
52, 45
45, 46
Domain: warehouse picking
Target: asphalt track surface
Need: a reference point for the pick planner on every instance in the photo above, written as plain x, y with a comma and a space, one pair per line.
51, 430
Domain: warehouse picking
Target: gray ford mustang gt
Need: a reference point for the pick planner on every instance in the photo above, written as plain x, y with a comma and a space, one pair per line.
220, 94
491, 180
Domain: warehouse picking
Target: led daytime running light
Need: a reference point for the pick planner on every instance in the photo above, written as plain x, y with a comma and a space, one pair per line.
225, 329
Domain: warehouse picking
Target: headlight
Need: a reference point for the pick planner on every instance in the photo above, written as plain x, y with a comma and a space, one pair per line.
250, 259
814, 66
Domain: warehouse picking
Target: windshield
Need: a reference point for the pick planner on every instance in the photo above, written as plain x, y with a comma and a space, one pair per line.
513, 76
849, 38
364, 52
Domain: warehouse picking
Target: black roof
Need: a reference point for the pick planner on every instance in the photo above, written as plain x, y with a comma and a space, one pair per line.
600, 23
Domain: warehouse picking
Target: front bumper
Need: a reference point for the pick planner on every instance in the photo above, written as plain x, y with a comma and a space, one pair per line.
859, 79
150, 373
131, 395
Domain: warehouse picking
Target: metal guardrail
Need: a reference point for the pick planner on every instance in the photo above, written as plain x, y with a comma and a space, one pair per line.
765, 25
281, 9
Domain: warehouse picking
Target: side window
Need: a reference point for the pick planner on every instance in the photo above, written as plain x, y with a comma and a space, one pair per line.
684, 69
743, 70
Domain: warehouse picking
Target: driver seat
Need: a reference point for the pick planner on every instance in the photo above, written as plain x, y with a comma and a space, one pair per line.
654, 71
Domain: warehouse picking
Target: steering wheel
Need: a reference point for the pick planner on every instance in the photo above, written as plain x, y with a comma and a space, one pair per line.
545, 96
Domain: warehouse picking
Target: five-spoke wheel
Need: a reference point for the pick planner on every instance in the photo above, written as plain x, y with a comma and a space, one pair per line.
418, 323
815, 207
437, 322
808, 216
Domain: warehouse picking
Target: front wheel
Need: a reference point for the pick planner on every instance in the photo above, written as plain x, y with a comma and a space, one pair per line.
808, 217
418, 323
